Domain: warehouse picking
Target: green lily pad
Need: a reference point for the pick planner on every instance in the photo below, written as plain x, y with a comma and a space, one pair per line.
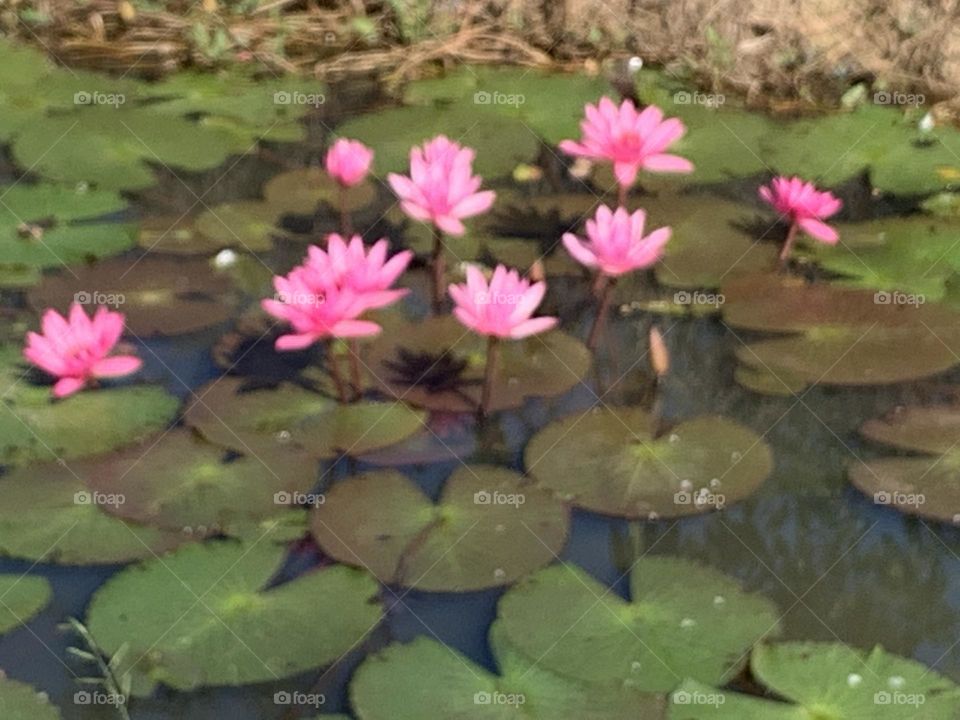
501, 142
409, 682
887, 142
489, 528
202, 616
247, 224
550, 104
113, 148
269, 421
700, 465
19, 701
932, 430
183, 482
49, 516
21, 598
683, 620
765, 380
439, 364
826, 680
175, 235
300, 191
157, 295
38, 227
35, 427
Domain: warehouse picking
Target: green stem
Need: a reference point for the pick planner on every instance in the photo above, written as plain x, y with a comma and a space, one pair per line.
788, 245
346, 226
355, 376
439, 269
606, 297
334, 369
490, 373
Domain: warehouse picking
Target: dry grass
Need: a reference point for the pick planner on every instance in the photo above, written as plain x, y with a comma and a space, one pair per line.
772, 51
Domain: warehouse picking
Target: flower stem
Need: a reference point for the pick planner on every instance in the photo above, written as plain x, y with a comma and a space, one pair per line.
355, 377
439, 269
346, 226
606, 297
490, 373
334, 369
622, 195
788, 245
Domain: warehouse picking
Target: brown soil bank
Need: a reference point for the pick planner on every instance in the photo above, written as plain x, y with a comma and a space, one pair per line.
772, 51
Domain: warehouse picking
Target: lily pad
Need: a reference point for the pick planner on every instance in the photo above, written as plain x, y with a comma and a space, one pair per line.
269, 421
175, 235
300, 191
439, 364
49, 516
19, 701
34, 427
247, 224
113, 148
158, 295
501, 142
206, 615
39, 228
409, 682
21, 598
184, 482
700, 465
489, 528
826, 680
765, 380
683, 620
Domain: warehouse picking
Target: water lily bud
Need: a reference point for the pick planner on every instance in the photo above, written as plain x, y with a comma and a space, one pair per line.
659, 355
126, 10
537, 272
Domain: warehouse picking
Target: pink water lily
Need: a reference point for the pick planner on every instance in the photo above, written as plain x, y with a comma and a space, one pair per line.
317, 308
441, 188
348, 162
616, 244
76, 349
630, 139
804, 205
503, 307
502, 310
368, 273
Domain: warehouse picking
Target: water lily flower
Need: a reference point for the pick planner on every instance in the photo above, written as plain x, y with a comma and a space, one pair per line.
367, 273
348, 162
805, 207
502, 310
76, 349
441, 190
616, 244
630, 139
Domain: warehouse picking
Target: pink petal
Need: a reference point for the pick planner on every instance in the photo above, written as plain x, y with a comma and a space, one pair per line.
667, 163
116, 366
578, 250
355, 328
474, 204
819, 230
533, 327
450, 225
67, 386
286, 343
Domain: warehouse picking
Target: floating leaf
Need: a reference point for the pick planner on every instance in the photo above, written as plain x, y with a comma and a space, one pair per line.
409, 682
48, 515
19, 701
21, 598
683, 620
500, 142
202, 616
825, 680
176, 235
247, 224
700, 465
157, 295
488, 529
439, 364
300, 191
181, 482
268, 421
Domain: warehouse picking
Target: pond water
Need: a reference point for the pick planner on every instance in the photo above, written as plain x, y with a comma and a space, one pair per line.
838, 566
